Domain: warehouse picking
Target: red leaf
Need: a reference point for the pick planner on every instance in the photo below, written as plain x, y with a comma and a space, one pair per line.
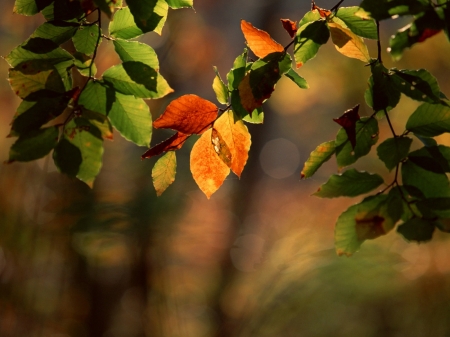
188, 114
348, 122
323, 12
259, 41
427, 33
290, 26
171, 144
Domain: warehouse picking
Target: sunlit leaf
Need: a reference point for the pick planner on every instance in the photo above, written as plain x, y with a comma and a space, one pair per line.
320, 155
393, 150
98, 97
20, 55
180, 3
131, 117
130, 51
188, 114
290, 26
351, 183
380, 10
348, 43
429, 120
56, 31
308, 40
256, 117
30, 7
163, 173
310, 16
366, 137
220, 88
123, 25
297, 79
208, 170
34, 144
86, 39
237, 72
417, 229
361, 27
171, 144
417, 84
84, 65
237, 138
259, 41
149, 15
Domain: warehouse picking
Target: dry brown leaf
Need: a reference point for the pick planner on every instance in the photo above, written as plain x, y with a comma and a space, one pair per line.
237, 138
188, 114
290, 26
208, 170
259, 41
348, 43
171, 144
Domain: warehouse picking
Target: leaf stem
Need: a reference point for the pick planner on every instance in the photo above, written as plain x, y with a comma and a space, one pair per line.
289, 44
390, 124
378, 42
335, 7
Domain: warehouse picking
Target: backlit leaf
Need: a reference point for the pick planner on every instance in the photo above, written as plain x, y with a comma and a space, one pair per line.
362, 27
346, 241
98, 97
259, 41
131, 117
163, 173
20, 55
171, 144
180, 3
351, 183
149, 15
56, 31
30, 7
310, 16
129, 51
290, 26
84, 65
366, 137
34, 144
308, 40
123, 25
417, 84
320, 155
85, 39
348, 43
348, 122
237, 138
417, 229
393, 150
188, 114
208, 170
237, 73
220, 88
380, 10
297, 79
429, 120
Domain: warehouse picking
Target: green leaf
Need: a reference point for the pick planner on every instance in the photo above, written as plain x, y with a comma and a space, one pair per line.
56, 31
20, 55
83, 64
87, 139
432, 158
86, 38
131, 117
98, 97
297, 79
416, 84
308, 40
320, 155
138, 79
431, 184
175, 4
430, 120
237, 72
123, 25
366, 136
149, 15
382, 93
256, 117
361, 27
393, 150
35, 75
34, 145
30, 7
373, 217
136, 51
220, 89
380, 10
351, 183
417, 229
310, 16
163, 173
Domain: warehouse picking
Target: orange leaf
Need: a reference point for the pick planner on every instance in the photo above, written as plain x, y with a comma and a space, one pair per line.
290, 26
323, 12
208, 170
171, 144
259, 41
348, 43
237, 138
188, 114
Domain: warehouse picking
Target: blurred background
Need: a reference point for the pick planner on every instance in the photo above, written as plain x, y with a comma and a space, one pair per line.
258, 258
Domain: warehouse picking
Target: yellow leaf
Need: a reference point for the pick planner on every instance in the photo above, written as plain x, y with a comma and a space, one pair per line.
164, 171
236, 136
208, 170
348, 43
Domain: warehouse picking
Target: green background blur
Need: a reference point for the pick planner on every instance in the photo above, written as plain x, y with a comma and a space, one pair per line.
257, 259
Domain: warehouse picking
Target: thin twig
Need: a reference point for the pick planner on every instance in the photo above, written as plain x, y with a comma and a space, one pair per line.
390, 124
379, 42
335, 7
